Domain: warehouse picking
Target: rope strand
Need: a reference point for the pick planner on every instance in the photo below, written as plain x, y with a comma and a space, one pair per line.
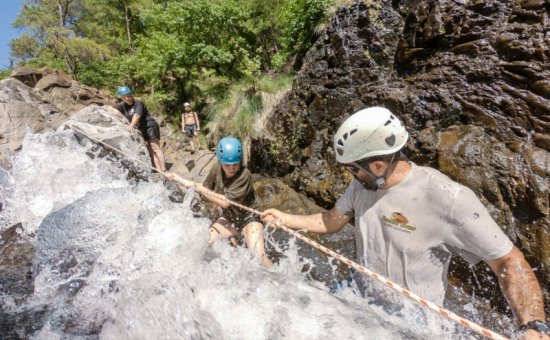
428, 304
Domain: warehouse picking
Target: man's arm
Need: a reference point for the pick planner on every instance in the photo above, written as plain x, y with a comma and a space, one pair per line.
197, 121
520, 286
139, 109
114, 110
327, 222
135, 121
183, 122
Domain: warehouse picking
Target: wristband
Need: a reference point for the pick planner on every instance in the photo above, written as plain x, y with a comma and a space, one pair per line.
536, 325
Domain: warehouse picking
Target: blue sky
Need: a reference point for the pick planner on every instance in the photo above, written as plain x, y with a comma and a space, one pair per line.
8, 12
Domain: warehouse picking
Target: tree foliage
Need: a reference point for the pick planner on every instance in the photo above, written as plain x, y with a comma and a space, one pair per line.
173, 50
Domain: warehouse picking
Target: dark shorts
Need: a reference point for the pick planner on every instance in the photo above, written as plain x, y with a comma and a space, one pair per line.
190, 130
240, 223
153, 131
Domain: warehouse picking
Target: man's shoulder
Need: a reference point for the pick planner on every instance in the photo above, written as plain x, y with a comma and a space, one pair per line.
215, 168
245, 175
435, 180
214, 174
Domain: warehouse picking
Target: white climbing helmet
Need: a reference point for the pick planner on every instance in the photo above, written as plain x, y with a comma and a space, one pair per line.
373, 131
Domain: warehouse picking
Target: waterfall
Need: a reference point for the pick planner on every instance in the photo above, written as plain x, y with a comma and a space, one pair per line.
117, 259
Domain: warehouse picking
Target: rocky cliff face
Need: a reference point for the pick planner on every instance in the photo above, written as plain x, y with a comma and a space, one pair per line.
469, 79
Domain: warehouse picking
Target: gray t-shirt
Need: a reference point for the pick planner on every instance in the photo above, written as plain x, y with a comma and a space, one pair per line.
408, 232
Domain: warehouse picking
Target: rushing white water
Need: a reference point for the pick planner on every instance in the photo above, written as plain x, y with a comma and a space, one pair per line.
117, 259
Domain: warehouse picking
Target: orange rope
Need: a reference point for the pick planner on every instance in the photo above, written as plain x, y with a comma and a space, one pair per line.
428, 304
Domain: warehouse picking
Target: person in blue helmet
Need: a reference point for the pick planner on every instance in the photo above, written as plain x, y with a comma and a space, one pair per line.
233, 180
140, 118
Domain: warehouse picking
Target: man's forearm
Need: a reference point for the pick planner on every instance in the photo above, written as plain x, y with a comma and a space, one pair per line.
197, 121
135, 121
313, 223
323, 223
221, 202
520, 286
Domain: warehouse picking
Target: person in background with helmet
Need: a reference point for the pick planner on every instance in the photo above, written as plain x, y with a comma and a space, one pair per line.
138, 116
411, 219
231, 179
191, 126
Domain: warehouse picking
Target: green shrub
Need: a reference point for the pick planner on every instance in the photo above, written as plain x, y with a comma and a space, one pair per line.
5, 73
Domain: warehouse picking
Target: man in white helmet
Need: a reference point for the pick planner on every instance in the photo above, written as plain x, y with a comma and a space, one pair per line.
411, 219
190, 125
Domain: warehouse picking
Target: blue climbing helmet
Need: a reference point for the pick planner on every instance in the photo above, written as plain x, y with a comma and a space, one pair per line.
123, 90
229, 150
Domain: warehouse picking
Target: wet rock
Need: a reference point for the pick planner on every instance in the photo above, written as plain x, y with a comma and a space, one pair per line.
16, 285
110, 132
15, 263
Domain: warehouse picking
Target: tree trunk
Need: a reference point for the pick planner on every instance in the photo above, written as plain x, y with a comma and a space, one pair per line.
127, 18
63, 10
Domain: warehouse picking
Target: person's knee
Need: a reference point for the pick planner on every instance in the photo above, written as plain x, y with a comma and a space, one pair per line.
156, 149
254, 227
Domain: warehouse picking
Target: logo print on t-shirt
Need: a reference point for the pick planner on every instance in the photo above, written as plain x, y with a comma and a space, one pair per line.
398, 221
399, 217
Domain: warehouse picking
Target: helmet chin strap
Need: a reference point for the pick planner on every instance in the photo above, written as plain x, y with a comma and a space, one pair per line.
374, 182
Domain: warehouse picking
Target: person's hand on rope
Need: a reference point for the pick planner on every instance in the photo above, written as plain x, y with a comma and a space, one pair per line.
276, 217
169, 176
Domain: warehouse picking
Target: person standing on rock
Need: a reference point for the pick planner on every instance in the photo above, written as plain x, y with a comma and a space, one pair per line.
140, 118
191, 126
231, 179
411, 219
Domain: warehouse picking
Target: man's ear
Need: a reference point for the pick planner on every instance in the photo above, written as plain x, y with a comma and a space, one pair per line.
378, 167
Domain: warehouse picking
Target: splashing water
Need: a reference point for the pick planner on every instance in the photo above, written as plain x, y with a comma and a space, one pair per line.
116, 259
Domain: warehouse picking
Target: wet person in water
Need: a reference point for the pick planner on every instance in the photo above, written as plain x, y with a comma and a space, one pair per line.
233, 180
411, 219
139, 118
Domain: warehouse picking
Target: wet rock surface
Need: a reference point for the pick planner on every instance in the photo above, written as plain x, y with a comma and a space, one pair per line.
16, 284
468, 78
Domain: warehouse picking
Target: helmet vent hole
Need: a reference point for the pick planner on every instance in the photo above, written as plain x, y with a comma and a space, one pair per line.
345, 136
352, 132
387, 123
340, 151
390, 140
340, 142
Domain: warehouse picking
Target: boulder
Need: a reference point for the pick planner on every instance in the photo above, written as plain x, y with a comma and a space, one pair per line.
21, 110
98, 125
43, 108
27, 76
53, 80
